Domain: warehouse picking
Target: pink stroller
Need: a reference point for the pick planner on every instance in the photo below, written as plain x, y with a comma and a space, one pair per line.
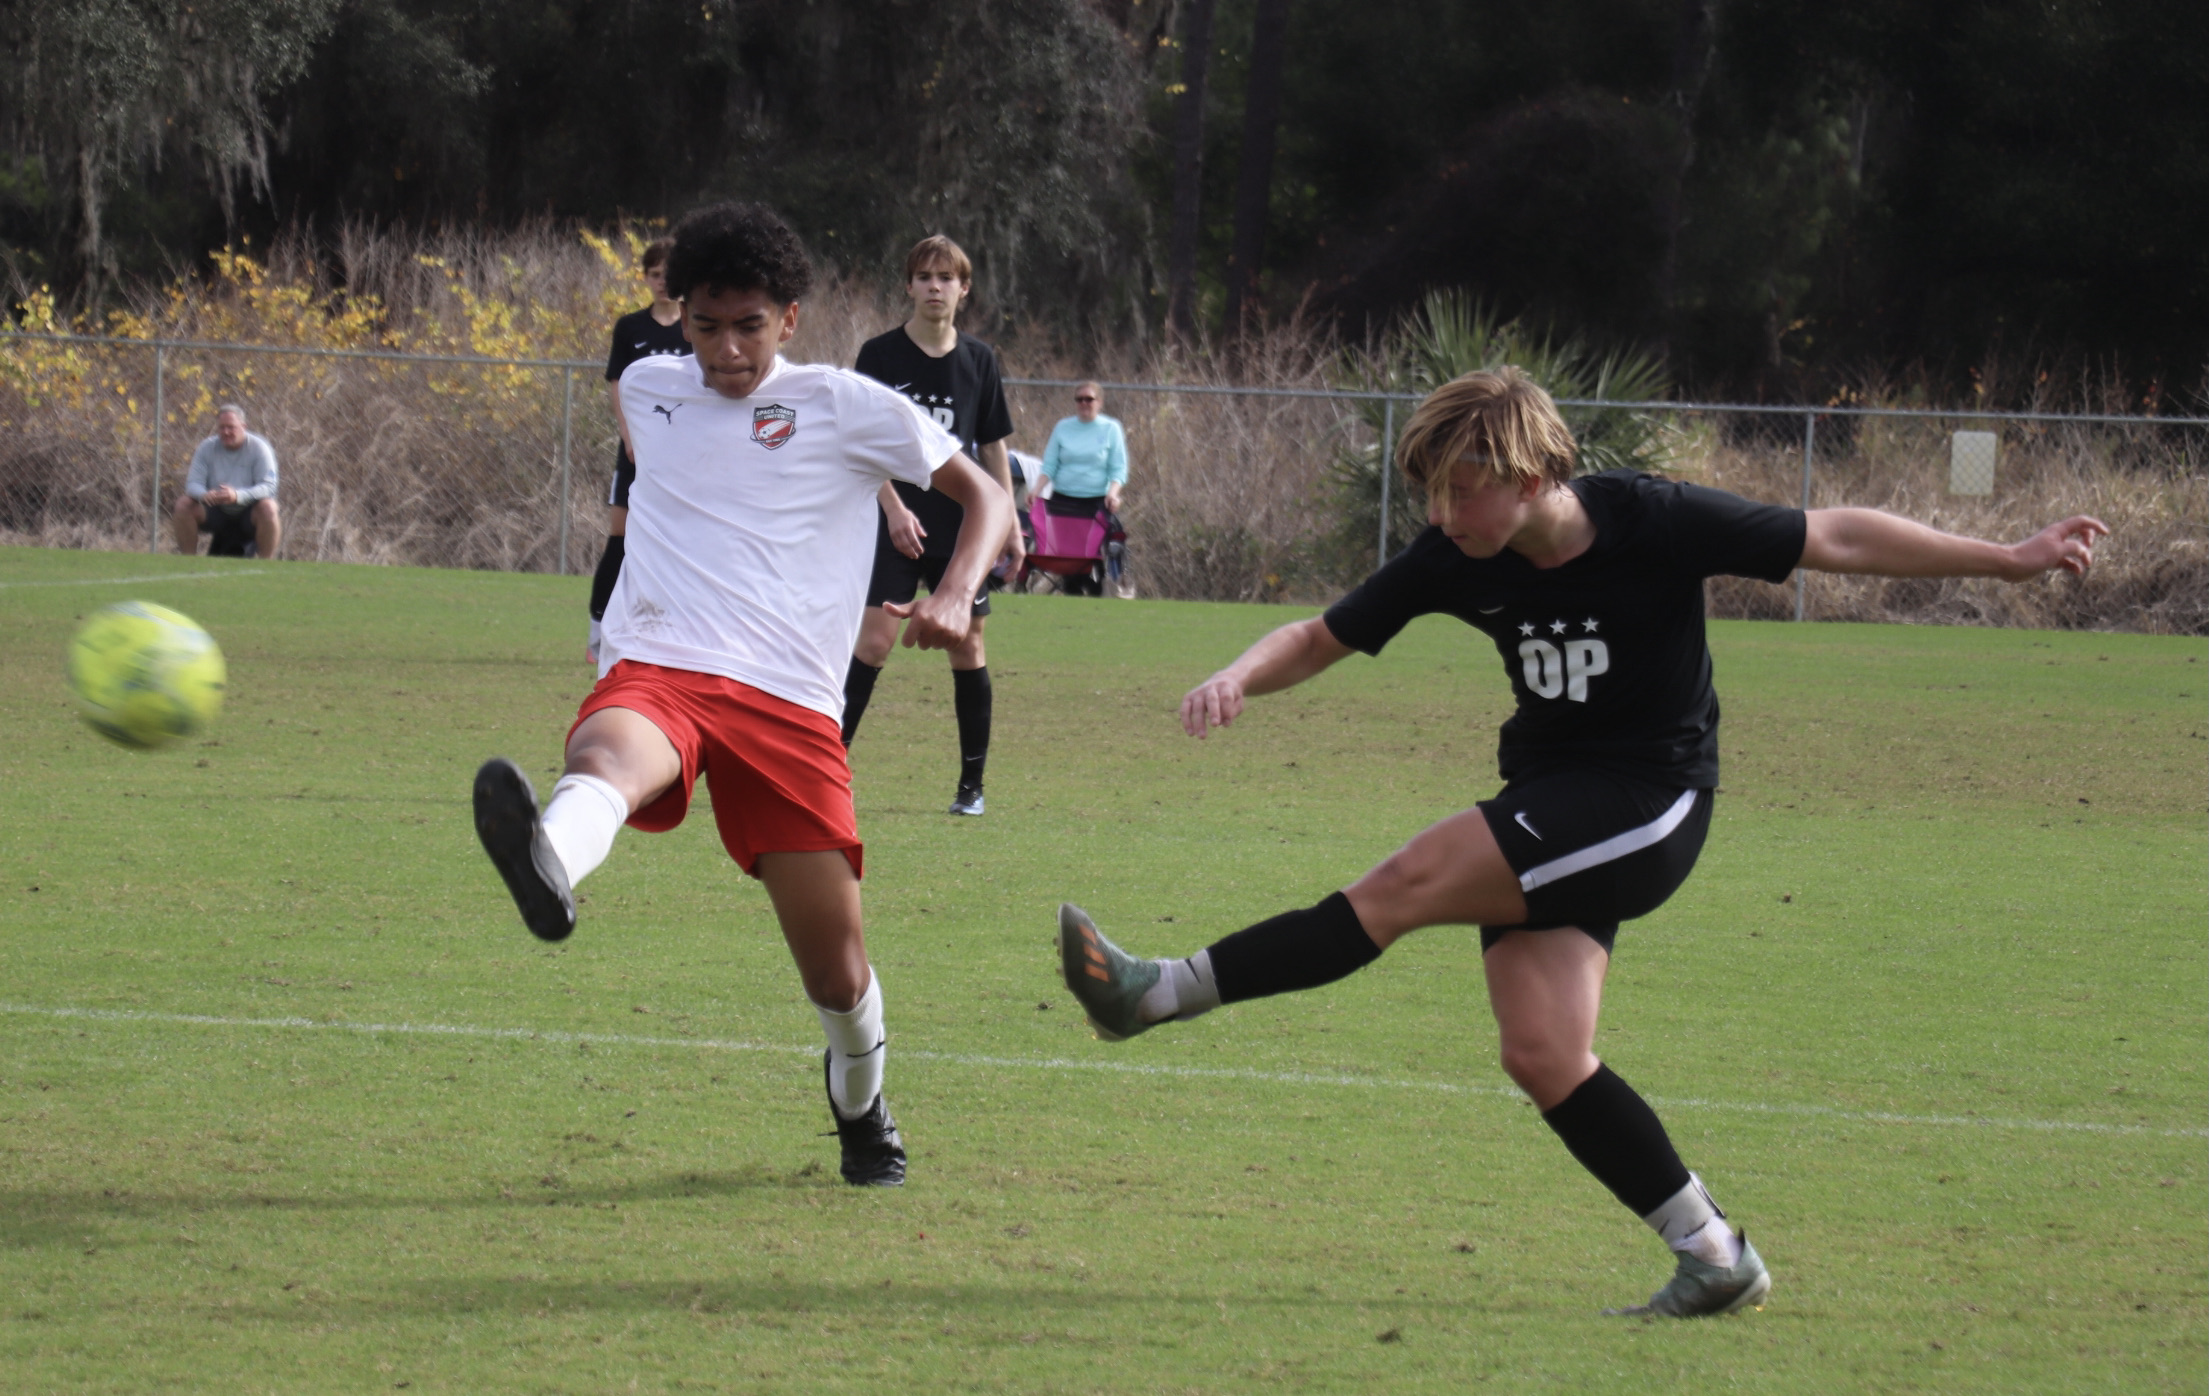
1077, 550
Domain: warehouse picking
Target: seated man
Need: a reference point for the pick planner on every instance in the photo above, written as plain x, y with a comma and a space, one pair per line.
230, 492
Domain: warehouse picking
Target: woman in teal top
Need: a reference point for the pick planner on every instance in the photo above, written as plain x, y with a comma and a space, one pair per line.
1087, 458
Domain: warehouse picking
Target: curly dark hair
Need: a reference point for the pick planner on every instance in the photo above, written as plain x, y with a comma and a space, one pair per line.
738, 247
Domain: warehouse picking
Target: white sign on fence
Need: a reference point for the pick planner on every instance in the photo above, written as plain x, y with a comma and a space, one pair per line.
1971, 462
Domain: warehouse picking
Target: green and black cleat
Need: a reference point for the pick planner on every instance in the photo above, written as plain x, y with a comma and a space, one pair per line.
1105, 980
1699, 1289
514, 836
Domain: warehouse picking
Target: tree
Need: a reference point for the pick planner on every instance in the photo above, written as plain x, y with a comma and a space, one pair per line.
1254, 178
103, 93
1188, 185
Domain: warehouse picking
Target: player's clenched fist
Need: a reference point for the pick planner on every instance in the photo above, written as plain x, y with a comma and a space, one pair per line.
1216, 702
2068, 545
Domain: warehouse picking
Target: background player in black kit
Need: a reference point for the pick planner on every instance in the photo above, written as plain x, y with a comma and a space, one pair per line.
954, 377
656, 329
1592, 590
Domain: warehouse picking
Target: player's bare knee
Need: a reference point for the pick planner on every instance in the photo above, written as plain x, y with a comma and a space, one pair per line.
1536, 1062
1405, 880
877, 637
836, 992
264, 511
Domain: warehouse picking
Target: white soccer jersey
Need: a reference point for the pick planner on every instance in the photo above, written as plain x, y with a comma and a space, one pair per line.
752, 521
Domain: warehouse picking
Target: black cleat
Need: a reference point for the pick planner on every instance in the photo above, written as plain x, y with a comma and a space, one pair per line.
507, 822
874, 1155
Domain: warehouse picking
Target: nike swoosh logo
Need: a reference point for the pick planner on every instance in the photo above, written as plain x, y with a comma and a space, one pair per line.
1521, 818
899, 387
1490, 610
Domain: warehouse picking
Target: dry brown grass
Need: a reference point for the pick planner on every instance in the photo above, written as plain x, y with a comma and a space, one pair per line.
2151, 574
1232, 497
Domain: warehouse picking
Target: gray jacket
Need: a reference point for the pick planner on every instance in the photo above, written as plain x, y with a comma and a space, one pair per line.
250, 470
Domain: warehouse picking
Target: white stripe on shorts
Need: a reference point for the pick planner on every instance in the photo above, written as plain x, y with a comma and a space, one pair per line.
1617, 846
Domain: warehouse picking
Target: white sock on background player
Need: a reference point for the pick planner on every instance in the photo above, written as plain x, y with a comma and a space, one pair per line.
1690, 1222
581, 820
856, 1048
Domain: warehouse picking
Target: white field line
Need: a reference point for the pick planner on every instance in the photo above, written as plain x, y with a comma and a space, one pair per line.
1121, 1068
123, 581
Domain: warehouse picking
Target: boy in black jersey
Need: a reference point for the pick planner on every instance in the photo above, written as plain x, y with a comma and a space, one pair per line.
954, 377
1592, 590
656, 329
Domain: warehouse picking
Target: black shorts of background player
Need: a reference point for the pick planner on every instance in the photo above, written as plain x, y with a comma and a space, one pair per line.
656, 329
954, 377
1592, 591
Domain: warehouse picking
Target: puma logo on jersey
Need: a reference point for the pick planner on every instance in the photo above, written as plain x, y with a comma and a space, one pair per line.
667, 412
1523, 823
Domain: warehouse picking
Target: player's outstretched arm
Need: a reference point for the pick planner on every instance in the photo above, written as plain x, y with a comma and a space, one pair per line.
1870, 542
941, 619
1281, 660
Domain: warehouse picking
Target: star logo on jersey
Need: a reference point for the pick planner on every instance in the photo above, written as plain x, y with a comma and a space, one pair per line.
1558, 627
667, 412
1588, 625
1526, 627
773, 425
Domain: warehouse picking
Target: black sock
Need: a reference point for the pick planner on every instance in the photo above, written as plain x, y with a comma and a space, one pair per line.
602, 581
1618, 1138
858, 688
1295, 950
970, 698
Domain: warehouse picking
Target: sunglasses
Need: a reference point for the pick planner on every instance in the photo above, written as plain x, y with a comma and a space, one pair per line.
1085, 399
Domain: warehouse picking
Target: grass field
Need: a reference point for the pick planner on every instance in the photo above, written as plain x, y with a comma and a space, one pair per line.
290, 1102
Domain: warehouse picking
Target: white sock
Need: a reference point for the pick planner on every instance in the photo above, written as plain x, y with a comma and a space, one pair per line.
856, 1047
581, 821
1184, 990
1690, 1222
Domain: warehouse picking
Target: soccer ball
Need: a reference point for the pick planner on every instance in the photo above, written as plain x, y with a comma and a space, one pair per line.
145, 675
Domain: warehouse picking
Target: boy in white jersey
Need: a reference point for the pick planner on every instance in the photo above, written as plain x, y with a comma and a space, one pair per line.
725, 641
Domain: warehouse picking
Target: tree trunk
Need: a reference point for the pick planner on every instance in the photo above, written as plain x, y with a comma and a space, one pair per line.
1254, 181
1694, 46
1181, 248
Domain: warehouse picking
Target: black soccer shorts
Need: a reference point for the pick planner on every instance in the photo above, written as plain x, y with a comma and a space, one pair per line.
1593, 849
899, 578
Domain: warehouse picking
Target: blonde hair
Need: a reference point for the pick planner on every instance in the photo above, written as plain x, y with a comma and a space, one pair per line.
939, 251
1499, 420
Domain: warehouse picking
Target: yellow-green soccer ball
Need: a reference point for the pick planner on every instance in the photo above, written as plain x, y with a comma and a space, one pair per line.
145, 675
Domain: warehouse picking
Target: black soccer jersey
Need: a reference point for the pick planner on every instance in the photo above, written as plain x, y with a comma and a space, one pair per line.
964, 392
1606, 653
637, 335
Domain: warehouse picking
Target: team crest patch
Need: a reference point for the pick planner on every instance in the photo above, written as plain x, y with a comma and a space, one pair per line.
774, 424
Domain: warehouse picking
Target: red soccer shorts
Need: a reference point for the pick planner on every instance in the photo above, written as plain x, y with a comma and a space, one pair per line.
781, 783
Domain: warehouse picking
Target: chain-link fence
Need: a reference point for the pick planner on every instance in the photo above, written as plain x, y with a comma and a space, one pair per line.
1250, 493
1236, 493
440, 461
